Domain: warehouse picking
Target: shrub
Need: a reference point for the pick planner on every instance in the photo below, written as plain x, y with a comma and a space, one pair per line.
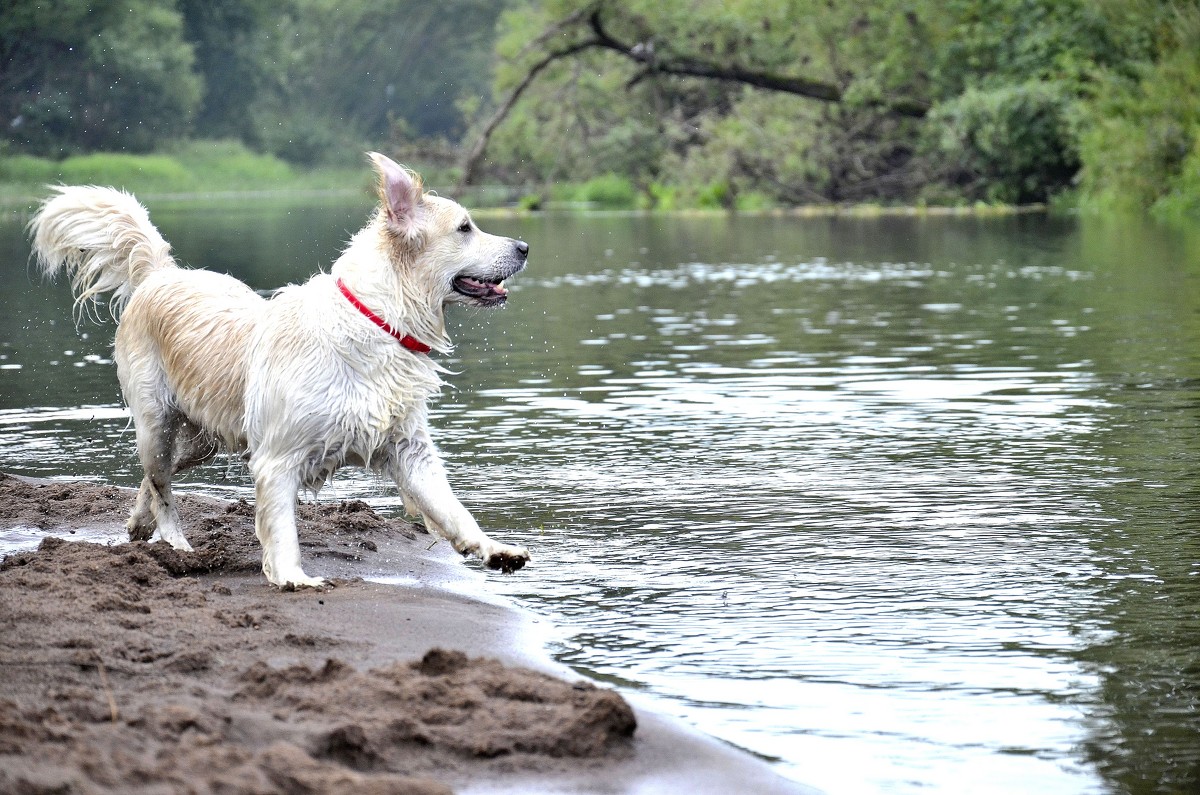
124, 171
28, 170
715, 196
226, 162
754, 201
1142, 146
661, 197
1182, 201
299, 138
610, 192
563, 193
1015, 143
531, 202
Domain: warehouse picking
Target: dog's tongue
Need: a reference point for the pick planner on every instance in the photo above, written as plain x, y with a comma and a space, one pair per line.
483, 288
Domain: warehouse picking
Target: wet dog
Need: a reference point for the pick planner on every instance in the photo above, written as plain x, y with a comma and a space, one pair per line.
333, 372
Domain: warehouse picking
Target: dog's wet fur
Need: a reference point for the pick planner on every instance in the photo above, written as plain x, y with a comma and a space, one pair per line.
300, 384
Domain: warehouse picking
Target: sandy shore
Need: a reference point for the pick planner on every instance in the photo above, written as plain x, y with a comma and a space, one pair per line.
132, 668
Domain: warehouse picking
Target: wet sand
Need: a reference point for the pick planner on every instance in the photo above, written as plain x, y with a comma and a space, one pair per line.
133, 668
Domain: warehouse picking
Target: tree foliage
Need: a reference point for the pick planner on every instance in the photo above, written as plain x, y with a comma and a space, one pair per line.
237, 53
91, 75
826, 100
1141, 146
813, 50
1015, 143
358, 70
296, 77
711, 102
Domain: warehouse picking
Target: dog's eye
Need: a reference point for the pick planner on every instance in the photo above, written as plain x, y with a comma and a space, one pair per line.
465, 227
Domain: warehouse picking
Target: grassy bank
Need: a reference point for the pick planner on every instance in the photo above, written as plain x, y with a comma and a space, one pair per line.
214, 170
614, 192
192, 169
228, 171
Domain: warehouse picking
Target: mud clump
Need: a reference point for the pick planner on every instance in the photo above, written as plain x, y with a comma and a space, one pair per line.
134, 668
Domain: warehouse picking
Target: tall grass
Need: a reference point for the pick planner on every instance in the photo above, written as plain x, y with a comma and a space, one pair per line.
194, 167
143, 172
605, 192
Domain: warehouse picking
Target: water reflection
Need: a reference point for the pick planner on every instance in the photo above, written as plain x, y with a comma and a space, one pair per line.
904, 504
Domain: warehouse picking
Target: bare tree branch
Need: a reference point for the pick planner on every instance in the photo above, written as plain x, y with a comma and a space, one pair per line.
689, 67
475, 155
557, 28
683, 66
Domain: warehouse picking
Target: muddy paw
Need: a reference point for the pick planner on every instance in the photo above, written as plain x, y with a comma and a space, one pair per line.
140, 530
318, 584
508, 560
295, 581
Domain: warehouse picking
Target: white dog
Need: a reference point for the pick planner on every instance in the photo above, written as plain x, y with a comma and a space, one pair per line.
329, 373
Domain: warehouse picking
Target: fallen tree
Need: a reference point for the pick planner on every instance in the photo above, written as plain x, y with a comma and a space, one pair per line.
654, 56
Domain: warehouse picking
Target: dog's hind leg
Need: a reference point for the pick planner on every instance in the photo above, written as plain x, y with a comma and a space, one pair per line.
141, 523
191, 446
188, 446
155, 507
157, 424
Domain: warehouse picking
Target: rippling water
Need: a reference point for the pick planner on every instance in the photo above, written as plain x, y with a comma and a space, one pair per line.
902, 504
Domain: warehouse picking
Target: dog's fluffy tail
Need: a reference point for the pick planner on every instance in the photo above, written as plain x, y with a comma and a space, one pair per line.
102, 238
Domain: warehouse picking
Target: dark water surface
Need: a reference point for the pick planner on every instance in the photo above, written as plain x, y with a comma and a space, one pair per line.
908, 505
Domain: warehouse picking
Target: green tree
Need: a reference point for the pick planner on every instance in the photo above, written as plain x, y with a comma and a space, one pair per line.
96, 75
1010, 79
350, 71
808, 100
1015, 143
237, 47
673, 72
1141, 147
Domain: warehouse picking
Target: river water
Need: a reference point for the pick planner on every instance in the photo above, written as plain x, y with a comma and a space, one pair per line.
901, 504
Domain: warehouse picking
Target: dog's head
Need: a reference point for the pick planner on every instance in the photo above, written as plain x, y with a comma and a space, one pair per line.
458, 260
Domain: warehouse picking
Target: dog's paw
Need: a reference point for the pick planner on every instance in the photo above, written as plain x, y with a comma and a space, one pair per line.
507, 559
140, 528
177, 541
296, 580
319, 584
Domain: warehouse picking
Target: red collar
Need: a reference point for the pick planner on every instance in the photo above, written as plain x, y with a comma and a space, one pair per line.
412, 343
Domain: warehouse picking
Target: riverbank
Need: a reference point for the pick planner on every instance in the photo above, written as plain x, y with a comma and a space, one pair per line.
132, 667
226, 172
491, 203
189, 169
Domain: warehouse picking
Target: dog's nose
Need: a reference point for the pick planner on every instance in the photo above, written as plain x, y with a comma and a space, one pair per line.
522, 248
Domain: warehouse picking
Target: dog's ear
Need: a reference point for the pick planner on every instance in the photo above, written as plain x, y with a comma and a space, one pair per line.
400, 192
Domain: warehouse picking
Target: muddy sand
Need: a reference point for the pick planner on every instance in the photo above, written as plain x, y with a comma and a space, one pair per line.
134, 668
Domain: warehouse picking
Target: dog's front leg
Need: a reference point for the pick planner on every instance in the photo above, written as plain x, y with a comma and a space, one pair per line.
418, 471
275, 488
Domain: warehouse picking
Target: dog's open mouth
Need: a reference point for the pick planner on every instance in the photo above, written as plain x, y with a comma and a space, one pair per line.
481, 292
